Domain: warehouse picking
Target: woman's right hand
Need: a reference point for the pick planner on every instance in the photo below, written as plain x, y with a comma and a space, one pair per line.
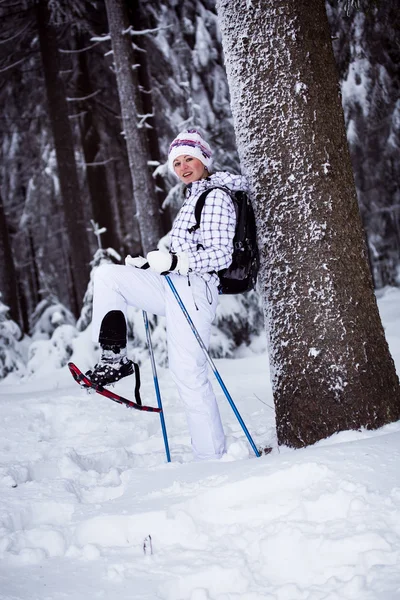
135, 261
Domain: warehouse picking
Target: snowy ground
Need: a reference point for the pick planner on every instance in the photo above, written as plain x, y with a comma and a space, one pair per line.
84, 483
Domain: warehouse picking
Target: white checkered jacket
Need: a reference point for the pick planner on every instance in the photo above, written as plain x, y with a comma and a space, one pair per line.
210, 247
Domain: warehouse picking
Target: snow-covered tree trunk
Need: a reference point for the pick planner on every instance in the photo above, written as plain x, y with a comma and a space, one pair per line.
147, 205
331, 367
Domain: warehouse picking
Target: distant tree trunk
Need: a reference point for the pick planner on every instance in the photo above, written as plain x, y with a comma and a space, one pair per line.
8, 280
148, 211
64, 147
331, 367
367, 49
96, 174
32, 279
140, 21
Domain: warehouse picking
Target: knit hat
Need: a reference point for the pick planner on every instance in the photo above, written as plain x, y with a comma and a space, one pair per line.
190, 142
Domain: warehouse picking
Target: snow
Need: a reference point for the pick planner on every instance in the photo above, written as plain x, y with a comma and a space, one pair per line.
90, 508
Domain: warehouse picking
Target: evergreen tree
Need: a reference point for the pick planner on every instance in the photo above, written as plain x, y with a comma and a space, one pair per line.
11, 358
367, 53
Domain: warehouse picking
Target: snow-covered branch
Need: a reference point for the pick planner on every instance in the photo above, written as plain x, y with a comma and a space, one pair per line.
101, 38
134, 32
143, 118
99, 163
15, 64
138, 48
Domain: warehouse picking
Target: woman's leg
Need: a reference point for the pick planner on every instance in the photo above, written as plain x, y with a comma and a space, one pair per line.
188, 364
117, 286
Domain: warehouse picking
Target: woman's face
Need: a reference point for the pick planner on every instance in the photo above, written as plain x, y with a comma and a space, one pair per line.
189, 169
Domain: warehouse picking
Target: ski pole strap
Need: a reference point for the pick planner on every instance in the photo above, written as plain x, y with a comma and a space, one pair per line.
174, 262
137, 384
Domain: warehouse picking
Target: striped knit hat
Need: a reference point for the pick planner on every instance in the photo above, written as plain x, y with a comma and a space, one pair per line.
191, 143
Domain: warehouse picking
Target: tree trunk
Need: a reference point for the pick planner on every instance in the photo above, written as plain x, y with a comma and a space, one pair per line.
96, 174
8, 280
148, 212
139, 20
331, 367
366, 47
64, 147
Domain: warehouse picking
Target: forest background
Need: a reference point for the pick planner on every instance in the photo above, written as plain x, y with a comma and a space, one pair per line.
52, 210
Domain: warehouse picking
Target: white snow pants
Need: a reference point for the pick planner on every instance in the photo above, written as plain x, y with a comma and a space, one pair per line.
118, 286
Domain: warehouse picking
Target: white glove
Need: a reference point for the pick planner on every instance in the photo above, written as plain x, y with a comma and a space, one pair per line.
135, 261
167, 263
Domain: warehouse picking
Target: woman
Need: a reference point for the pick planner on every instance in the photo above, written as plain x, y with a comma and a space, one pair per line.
194, 259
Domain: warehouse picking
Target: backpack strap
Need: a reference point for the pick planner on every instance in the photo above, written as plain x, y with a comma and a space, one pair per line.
198, 209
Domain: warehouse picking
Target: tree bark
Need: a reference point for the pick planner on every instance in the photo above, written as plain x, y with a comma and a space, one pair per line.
96, 174
8, 280
64, 147
330, 363
139, 21
147, 205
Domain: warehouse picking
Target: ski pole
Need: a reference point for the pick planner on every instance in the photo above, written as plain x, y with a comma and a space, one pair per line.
211, 363
155, 378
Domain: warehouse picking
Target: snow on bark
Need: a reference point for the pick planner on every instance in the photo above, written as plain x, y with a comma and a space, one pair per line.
331, 368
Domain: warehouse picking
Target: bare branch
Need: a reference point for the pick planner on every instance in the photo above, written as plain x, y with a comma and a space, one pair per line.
77, 115
79, 50
82, 98
108, 108
18, 62
20, 32
100, 163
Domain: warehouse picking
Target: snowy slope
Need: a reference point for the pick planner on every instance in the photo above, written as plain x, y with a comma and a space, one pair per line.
84, 483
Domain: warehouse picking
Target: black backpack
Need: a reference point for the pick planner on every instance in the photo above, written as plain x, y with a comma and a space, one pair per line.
241, 275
